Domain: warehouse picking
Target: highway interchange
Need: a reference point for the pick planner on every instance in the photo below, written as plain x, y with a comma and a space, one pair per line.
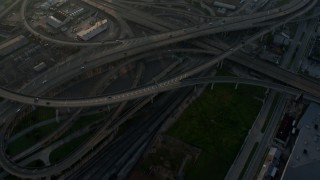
292, 83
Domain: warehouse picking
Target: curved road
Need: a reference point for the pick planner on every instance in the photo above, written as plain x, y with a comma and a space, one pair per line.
237, 23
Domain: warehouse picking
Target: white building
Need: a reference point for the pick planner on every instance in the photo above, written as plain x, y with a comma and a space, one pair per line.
97, 28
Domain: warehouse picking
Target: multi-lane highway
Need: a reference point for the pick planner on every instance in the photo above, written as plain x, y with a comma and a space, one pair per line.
65, 69
125, 48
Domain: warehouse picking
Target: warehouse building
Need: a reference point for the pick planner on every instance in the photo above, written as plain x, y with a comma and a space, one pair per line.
40, 67
97, 28
58, 19
12, 45
304, 161
46, 5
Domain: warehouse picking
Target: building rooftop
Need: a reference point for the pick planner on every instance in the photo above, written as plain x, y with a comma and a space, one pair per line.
312, 113
94, 30
304, 161
60, 16
12, 45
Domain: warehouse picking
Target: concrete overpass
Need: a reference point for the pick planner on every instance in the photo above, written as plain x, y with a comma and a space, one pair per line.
166, 85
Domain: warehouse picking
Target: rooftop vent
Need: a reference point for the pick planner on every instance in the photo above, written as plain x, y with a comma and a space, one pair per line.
305, 151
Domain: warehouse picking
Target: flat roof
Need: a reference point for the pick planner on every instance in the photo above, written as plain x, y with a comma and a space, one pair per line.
97, 28
61, 17
304, 161
12, 42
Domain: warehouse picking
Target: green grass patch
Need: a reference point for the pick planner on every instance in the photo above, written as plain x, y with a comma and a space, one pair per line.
30, 138
82, 122
218, 122
64, 150
36, 163
253, 150
273, 106
36, 116
11, 177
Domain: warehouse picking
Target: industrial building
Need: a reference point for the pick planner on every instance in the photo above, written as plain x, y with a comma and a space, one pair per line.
12, 45
46, 5
40, 67
97, 28
58, 19
8, 28
76, 12
304, 161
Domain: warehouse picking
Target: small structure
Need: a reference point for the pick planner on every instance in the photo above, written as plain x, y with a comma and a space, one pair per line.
270, 56
281, 39
222, 11
284, 130
269, 168
77, 12
97, 28
40, 67
12, 45
46, 5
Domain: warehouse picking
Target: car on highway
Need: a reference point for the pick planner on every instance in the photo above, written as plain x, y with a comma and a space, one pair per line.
45, 81
36, 100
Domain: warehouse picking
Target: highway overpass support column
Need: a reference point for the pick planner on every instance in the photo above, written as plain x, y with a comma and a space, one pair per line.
221, 64
57, 116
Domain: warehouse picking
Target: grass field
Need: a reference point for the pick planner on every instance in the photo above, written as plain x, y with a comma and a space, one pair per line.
83, 122
30, 138
67, 148
217, 122
64, 150
38, 115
